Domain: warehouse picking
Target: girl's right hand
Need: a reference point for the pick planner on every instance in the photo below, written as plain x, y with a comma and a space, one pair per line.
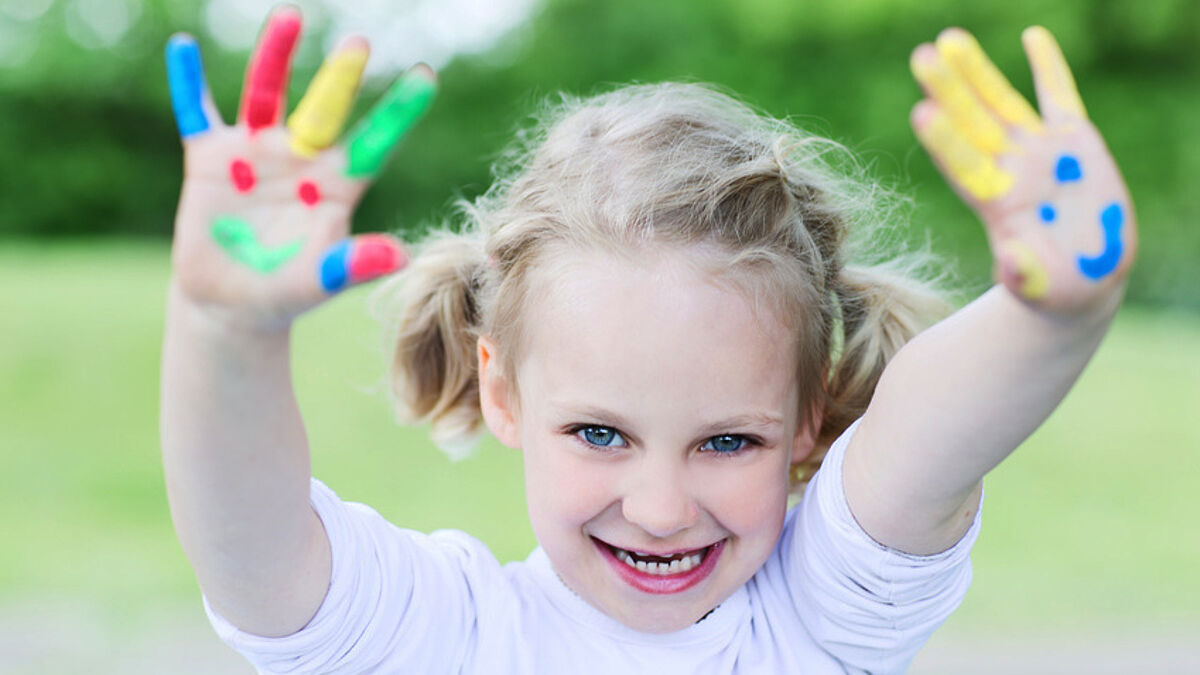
261, 234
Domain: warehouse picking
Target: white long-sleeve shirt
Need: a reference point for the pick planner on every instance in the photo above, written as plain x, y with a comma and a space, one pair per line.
829, 599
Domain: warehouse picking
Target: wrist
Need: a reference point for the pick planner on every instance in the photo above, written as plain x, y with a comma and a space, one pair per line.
223, 326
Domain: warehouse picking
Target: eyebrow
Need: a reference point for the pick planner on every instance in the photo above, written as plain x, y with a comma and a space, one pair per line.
737, 422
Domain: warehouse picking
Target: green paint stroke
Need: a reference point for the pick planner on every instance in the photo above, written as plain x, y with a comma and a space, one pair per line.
236, 236
376, 135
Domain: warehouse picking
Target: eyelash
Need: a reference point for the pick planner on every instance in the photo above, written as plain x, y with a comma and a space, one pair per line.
747, 442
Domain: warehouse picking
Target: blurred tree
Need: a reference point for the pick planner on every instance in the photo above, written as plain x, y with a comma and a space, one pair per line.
90, 146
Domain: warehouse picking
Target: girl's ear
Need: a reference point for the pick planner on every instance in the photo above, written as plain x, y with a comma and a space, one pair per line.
495, 395
807, 433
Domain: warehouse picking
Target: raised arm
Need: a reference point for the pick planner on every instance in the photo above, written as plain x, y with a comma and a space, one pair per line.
960, 397
261, 235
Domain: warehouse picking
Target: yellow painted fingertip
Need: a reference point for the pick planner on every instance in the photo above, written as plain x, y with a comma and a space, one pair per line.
956, 98
1035, 280
965, 163
961, 51
321, 114
1051, 71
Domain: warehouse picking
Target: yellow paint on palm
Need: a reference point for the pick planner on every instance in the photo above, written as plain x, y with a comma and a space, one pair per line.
962, 52
1035, 281
318, 120
954, 96
969, 166
1051, 72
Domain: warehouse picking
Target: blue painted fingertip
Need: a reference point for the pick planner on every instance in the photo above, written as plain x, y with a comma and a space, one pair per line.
1067, 170
335, 268
1047, 213
185, 78
1097, 267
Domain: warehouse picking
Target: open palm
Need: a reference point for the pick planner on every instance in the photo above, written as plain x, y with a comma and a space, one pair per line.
264, 213
1056, 210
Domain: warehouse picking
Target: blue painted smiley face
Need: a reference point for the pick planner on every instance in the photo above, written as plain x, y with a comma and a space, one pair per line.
1112, 219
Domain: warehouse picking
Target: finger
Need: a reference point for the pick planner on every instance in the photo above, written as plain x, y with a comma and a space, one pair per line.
190, 97
962, 161
1023, 272
358, 259
374, 138
959, 48
267, 74
1056, 92
952, 94
318, 119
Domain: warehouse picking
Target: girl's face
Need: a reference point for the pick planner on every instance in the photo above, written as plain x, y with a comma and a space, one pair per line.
658, 418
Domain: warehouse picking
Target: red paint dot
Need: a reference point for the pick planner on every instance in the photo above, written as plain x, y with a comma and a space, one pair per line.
309, 193
242, 175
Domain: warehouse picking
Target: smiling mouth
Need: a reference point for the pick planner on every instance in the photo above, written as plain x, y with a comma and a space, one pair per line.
661, 574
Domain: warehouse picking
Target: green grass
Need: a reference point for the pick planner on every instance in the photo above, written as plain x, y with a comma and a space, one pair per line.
1091, 523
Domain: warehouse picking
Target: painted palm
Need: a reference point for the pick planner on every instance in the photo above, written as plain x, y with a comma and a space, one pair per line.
264, 213
1056, 210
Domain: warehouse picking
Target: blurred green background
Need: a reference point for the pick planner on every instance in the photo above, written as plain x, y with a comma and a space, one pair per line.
1090, 530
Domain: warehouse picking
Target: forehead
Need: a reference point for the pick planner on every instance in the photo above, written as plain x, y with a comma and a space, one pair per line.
650, 325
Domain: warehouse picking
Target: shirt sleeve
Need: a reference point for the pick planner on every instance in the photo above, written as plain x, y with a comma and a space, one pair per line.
399, 601
870, 606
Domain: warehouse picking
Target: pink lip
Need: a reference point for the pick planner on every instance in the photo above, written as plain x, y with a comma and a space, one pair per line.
662, 584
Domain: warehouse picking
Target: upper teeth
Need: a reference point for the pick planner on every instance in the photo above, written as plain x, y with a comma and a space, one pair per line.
683, 564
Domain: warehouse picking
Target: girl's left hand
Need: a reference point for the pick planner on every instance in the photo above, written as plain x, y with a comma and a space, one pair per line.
1058, 216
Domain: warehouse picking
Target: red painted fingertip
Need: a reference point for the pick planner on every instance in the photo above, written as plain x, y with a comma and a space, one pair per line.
375, 255
242, 175
266, 78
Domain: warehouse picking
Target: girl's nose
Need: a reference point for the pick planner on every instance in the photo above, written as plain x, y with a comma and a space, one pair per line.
658, 501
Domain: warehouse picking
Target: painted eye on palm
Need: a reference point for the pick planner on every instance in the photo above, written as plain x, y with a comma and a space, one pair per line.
1044, 185
312, 128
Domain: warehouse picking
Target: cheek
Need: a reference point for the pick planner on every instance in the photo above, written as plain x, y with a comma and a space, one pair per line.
749, 499
561, 487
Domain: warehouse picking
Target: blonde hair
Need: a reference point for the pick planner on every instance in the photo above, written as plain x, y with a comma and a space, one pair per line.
675, 164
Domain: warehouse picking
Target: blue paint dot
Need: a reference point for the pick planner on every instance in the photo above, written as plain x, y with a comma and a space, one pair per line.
1067, 170
334, 269
1047, 213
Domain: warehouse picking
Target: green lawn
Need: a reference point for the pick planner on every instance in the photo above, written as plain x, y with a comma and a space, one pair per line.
1093, 523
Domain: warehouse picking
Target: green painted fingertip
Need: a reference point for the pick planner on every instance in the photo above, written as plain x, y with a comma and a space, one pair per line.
373, 140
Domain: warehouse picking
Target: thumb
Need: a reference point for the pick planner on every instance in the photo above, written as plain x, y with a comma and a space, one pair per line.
1021, 271
355, 260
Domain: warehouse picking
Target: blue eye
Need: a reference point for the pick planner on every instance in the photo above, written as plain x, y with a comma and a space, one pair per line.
601, 436
725, 445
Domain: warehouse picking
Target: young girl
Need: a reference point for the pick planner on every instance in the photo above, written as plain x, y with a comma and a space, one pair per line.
660, 310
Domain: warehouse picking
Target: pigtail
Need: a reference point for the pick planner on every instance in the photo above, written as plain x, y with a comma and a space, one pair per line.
881, 308
434, 370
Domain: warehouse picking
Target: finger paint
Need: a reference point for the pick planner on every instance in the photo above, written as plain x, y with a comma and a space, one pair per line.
319, 117
1047, 213
359, 259
266, 78
1050, 71
1100, 266
964, 108
960, 49
241, 173
967, 165
1067, 169
377, 135
1035, 281
237, 238
185, 79
308, 192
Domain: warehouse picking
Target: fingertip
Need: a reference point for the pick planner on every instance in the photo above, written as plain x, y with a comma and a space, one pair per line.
955, 34
424, 70
922, 113
923, 58
354, 43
